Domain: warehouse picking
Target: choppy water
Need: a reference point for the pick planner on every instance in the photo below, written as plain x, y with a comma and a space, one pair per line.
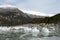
24, 33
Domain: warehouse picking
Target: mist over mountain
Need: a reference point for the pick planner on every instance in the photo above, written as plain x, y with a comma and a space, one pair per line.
35, 16
11, 16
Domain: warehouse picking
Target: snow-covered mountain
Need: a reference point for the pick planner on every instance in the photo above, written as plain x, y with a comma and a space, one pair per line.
38, 13
30, 13
6, 8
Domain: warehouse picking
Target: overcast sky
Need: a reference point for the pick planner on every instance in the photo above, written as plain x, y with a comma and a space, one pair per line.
45, 6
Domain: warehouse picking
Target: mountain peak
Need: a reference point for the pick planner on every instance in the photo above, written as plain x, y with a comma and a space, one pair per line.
7, 6
10, 8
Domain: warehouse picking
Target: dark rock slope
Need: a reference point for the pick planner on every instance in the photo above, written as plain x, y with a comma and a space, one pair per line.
12, 16
54, 19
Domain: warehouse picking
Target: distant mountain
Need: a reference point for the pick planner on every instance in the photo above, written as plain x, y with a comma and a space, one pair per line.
35, 16
54, 19
41, 14
11, 16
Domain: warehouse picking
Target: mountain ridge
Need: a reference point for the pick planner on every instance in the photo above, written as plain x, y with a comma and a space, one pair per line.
54, 19
14, 16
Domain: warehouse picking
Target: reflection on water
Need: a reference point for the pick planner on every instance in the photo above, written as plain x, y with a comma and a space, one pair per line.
25, 33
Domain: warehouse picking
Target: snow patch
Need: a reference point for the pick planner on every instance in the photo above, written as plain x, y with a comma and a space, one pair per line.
37, 13
7, 6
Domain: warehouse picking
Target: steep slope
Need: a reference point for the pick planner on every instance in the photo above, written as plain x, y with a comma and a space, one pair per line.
12, 16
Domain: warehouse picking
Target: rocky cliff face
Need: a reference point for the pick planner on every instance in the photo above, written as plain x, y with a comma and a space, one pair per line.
12, 16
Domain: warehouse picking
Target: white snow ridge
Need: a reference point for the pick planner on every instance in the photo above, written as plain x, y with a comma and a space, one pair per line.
7, 6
